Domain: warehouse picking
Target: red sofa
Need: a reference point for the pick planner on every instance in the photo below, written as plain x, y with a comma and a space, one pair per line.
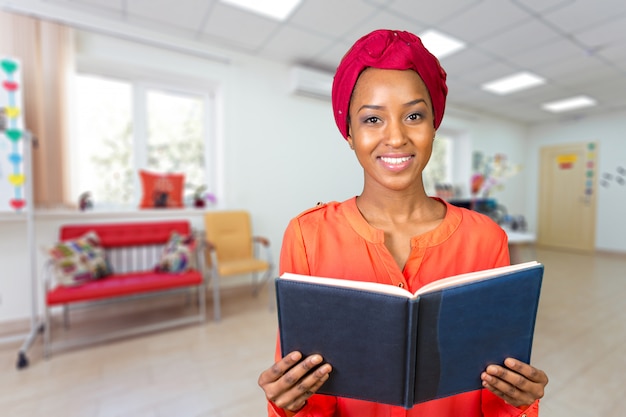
133, 250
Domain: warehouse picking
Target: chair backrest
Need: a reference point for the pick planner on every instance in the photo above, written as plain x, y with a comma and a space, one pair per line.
231, 233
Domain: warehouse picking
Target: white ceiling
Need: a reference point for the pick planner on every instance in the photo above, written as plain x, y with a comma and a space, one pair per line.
579, 46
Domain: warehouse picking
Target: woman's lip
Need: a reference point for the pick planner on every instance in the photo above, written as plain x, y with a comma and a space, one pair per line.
396, 162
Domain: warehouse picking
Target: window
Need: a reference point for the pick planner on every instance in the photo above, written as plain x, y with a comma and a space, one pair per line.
439, 168
121, 126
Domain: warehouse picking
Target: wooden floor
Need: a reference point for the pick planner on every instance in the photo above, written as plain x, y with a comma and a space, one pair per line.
211, 370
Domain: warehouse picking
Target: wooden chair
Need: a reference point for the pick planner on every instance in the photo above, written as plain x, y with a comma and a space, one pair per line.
231, 249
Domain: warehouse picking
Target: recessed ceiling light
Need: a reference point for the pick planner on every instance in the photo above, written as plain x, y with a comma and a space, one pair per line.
569, 104
513, 83
439, 44
275, 9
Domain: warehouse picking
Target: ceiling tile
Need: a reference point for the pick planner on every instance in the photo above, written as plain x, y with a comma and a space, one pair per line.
519, 38
546, 53
382, 20
543, 6
434, 12
608, 33
231, 26
577, 68
490, 71
484, 21
187, 14
293, 45
614, 52
330, 57
578, 15
331, 18
465, 61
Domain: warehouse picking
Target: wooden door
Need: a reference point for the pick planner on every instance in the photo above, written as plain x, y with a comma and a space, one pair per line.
567, 197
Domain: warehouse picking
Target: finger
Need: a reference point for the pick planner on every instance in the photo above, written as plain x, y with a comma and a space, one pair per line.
276, 371
302, 399
293, 375
309, 385
529, 372
510, 377
294, 398
502, 394
508, 392
524, 377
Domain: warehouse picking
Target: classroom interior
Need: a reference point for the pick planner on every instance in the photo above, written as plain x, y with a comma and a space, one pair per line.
272, 149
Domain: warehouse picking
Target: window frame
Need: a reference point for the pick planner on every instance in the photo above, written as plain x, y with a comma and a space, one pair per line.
141, 82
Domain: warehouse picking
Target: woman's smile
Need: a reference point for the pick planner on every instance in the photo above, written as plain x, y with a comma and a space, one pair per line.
396, 162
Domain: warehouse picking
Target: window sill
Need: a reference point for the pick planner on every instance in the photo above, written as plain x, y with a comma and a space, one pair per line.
104, 214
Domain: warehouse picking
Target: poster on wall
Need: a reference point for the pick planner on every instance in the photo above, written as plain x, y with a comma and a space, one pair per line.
12, 177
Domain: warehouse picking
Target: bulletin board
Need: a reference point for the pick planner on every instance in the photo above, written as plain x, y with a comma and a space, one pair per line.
12, 175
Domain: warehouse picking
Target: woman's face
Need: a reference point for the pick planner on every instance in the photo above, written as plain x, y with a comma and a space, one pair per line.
391, 128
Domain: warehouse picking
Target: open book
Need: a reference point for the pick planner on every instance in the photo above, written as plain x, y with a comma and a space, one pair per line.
391, 346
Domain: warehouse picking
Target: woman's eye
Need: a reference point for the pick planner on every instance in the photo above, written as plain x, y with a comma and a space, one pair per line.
414, 116
372, 120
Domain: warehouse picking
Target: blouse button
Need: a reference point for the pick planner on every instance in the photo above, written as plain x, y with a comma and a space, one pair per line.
401, 285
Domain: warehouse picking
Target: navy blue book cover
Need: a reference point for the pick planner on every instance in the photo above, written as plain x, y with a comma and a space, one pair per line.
398, 350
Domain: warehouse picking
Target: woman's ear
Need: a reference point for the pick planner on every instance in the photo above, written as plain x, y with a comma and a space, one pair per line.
349, 137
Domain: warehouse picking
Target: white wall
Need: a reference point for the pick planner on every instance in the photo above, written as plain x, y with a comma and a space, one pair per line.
609, 132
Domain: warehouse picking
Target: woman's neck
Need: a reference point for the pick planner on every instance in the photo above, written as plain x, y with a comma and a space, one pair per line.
396, 207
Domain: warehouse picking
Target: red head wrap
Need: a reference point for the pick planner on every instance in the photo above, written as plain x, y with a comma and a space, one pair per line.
387, 49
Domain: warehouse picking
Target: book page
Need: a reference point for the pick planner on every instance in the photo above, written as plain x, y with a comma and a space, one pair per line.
345, 283
401, 292
473, 276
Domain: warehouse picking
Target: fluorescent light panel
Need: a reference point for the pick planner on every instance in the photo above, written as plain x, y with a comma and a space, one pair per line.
513, 83
439, 44
568, 104
274, 9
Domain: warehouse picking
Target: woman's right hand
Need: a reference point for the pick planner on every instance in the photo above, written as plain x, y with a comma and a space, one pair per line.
292, 380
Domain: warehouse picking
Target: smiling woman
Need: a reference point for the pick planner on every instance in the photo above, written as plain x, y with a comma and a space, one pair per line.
388, 98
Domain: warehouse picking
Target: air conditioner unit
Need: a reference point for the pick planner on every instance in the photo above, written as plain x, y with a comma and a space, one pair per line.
311, 82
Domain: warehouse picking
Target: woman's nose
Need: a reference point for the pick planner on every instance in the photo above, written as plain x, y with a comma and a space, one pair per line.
395, 135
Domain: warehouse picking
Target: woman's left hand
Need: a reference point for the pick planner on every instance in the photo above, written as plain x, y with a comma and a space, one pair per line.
517, 383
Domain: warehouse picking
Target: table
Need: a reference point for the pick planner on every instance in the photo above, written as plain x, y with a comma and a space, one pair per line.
517, 239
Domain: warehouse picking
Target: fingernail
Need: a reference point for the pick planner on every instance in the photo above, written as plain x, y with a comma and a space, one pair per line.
316, 359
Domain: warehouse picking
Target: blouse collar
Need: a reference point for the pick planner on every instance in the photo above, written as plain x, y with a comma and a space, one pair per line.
438, 235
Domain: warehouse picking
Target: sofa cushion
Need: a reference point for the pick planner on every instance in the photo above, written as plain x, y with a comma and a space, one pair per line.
79, 260
178, 254
161, 190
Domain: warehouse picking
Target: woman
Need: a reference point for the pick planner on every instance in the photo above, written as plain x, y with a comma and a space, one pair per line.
388, 100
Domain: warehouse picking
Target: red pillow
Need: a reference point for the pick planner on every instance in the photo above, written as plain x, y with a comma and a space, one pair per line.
161, 190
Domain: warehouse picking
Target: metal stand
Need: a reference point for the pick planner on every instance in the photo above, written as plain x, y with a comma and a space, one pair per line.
35, 325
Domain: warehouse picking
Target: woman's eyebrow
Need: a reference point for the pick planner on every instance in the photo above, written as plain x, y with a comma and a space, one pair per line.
371, 107
379, 107
414, 102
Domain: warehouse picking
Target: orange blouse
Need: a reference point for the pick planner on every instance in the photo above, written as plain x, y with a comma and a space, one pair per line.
334, 240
